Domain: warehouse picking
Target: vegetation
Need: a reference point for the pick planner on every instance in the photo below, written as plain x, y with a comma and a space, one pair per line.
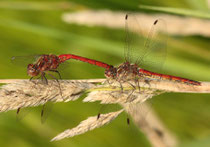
36, 27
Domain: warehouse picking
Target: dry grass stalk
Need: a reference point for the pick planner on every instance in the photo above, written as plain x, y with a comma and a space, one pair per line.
88, 124
177, 25
129, 96
113, 94
110, 94
148, 122
208, 3
7, 81
27, 93
24, 93
44, 5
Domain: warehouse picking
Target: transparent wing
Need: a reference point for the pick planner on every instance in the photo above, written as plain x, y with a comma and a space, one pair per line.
46, 110
134, 38
24, 60
22, 113
148, 47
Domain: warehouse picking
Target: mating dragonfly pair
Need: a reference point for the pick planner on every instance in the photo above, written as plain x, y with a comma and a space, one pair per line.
152, 48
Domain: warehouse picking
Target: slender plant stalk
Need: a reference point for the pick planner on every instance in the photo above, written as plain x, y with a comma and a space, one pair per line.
24, 93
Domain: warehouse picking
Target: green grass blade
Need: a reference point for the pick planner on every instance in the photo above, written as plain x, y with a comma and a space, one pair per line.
178, 11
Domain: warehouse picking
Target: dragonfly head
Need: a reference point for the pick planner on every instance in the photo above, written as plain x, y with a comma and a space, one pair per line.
111, 72
32, 70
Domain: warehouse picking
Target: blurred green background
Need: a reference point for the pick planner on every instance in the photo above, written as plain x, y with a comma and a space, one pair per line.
35, 27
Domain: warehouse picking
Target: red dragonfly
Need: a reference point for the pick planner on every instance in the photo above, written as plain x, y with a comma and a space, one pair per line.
154, 48
50, 62
44, 64
151, 50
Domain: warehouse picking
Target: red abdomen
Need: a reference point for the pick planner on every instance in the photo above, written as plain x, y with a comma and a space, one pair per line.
65, 57
167, 77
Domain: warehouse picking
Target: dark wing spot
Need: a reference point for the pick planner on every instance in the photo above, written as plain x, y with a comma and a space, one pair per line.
155, 22
99, 114
126, 16
18, 110
159, 132
128, 121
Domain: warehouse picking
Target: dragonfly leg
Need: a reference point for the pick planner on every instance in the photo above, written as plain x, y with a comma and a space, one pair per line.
108, 82
121, 87
31, 78
137, 83
132, 85
128, 98
57, 73
43, 77
34, 81
56, 81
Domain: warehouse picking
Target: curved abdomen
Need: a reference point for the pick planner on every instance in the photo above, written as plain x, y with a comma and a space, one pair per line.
65, 57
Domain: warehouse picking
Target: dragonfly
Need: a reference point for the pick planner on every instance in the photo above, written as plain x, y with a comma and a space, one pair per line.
133, 69
150, 53
42, 65
49, 63
151, 50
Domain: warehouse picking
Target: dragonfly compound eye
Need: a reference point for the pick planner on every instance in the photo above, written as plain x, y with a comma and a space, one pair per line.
111, 72
32, 70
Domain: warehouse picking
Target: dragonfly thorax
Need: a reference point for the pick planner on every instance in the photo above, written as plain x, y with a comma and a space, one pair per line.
127, 71
123, 72
43, 64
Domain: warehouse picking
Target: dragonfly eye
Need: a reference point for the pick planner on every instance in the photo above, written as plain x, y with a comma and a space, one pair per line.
113, 72
110, 72
32, 70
